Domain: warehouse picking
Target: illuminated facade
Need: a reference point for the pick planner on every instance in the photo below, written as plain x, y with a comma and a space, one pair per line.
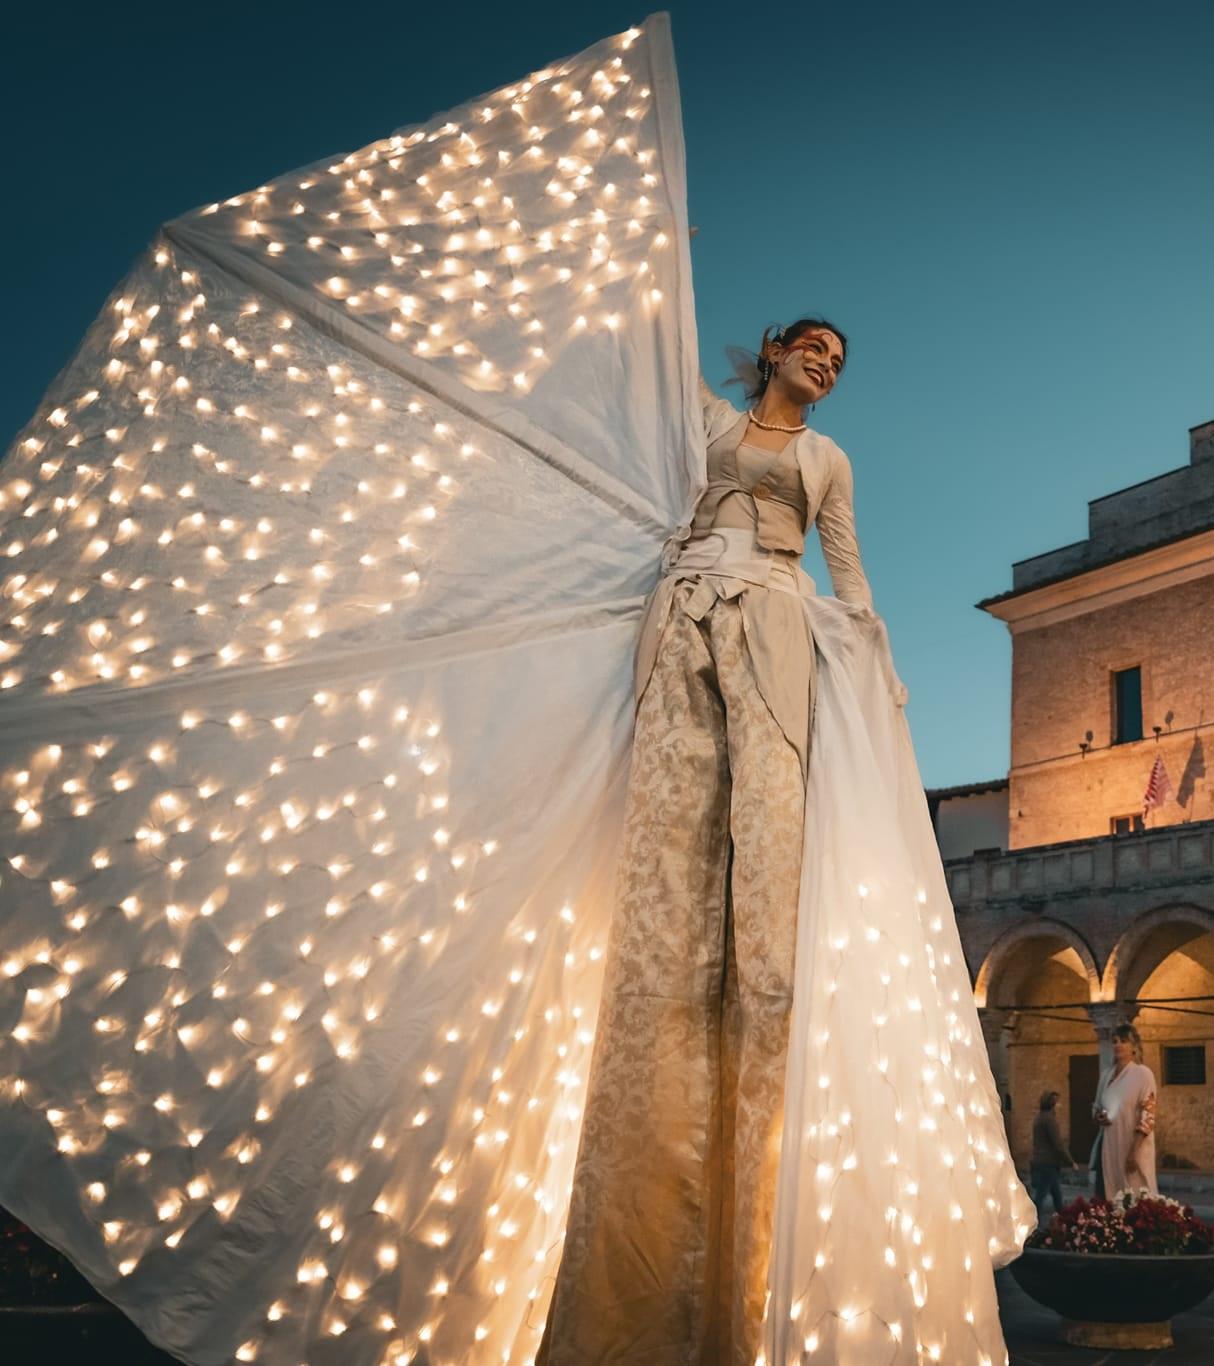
1111, 661
1074, 909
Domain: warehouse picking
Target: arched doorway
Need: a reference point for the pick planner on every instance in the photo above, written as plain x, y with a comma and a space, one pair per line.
1037, 982
1162, 975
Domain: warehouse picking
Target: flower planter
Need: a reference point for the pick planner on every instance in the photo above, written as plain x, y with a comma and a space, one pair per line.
1116, 1299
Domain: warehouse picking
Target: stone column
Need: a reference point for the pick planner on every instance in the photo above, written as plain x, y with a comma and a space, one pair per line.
997, 1023
1105, 1017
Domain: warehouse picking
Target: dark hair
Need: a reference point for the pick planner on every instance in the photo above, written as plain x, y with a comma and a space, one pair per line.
1049, 1099
783, 336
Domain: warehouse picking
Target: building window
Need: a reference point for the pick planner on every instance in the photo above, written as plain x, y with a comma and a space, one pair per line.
1126, 825
1127, 705
1184, 1065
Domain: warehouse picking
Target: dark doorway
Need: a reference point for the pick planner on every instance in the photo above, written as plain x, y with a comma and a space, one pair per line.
1083, 1075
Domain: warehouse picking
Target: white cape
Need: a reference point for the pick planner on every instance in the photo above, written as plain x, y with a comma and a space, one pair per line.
323, 562
897, 1193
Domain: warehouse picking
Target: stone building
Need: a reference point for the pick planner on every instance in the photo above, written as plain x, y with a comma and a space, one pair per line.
1076, 911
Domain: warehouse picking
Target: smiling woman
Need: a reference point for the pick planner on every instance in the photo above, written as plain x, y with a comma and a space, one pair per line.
819, 346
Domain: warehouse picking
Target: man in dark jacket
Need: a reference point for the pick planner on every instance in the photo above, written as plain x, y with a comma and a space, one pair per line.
1050, 1154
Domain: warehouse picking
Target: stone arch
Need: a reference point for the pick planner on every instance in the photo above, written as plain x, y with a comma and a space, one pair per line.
1171, 927
1037, 928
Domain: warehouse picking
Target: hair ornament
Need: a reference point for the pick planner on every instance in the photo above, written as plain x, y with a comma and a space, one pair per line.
745, 367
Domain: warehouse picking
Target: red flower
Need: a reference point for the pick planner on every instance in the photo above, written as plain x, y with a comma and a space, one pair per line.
1127, 1223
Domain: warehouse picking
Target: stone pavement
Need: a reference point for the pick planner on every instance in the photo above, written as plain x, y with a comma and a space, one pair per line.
1031, 1333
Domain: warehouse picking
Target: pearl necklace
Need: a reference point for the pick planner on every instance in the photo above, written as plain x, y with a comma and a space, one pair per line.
774, 426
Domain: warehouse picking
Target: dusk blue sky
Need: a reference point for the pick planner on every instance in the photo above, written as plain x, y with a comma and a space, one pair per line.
1007, 207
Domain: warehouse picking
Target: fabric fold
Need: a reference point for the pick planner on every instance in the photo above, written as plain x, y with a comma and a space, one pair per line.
726, 562
896, 1189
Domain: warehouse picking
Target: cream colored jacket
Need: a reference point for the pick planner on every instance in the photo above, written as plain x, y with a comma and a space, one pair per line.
829, 497
777, 630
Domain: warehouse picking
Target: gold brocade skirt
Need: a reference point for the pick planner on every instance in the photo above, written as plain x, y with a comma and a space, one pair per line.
669, 1228
724, 564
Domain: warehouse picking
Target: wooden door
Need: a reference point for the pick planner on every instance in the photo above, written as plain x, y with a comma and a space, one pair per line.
1084, 1074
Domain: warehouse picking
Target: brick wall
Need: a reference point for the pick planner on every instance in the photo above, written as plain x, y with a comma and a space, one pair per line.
1183, 1125
1040, 1049
1062, 687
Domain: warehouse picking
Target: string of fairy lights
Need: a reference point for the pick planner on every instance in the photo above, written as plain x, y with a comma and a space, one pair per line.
162, 386
231, 913
939, 1115
264, 863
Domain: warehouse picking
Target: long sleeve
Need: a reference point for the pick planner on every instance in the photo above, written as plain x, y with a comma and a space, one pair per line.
1061, 1151
712, 411
1098, 1100
836, 522
1146, 1104
718, 412
707, 397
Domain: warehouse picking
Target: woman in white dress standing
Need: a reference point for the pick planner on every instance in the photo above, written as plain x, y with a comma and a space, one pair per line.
1123, 1156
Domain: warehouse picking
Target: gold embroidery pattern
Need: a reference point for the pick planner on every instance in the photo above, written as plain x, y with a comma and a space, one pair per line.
669, 1229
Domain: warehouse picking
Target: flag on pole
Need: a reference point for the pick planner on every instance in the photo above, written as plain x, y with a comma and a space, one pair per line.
1159, 787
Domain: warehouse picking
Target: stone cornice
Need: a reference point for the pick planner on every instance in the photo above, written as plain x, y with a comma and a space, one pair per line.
1132, 576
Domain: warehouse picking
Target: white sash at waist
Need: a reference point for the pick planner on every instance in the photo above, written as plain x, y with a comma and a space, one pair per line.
735, 553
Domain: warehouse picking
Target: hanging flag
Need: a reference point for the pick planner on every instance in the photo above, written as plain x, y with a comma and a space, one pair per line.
1159, 787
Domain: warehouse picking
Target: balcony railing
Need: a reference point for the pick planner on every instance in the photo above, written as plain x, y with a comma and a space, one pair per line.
1045, 872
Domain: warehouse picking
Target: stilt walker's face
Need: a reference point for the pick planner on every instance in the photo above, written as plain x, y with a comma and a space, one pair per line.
806, 369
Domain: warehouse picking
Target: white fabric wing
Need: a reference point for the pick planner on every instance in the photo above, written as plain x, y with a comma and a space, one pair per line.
896, 1190
324, 559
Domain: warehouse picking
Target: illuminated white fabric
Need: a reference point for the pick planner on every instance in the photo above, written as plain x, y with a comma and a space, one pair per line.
894, 1169
323, 561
